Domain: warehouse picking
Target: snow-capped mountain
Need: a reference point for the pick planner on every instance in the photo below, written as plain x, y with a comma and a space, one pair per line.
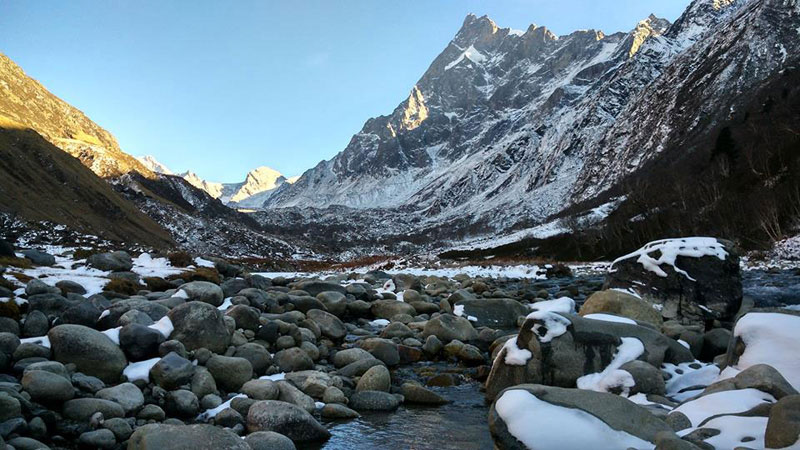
155, 165
257, 186
507, 129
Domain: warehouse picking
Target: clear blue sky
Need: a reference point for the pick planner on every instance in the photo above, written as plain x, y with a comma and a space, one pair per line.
221, 87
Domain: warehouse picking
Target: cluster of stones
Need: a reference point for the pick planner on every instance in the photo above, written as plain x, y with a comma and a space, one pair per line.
214, 356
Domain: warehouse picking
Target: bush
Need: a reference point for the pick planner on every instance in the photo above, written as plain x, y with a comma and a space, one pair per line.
83, 253
180, 259
21, 263
9, 309
199, 274
157, 284
122, 286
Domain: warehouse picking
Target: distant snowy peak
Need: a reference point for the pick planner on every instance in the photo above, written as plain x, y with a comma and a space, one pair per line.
257, 181
153, 164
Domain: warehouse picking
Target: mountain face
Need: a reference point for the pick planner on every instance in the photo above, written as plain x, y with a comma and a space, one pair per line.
25, 101
154, 165
507, 130
40, 182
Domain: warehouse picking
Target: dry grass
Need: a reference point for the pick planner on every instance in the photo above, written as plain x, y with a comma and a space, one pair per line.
180, 259
122, 286
21, 263
199, 274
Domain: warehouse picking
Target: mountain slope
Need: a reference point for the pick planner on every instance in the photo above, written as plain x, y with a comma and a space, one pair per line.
39, 182
25, 101
506, 131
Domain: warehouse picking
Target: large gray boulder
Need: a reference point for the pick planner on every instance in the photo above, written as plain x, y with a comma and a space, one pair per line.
314, 287
92, 352
448, 328
114, 261
47, 387
199, 324
700, 290
584, 346
126, 395
230, 372
386, 309
184, 437
494, 312
286, 419
82, 409
328, 324
614, 411
203, 291
39, 258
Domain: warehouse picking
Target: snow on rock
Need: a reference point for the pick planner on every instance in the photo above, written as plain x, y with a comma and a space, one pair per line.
140, 370
276, 377
669, 250
772, 339
379, 323
470, 54
225, 304
724, 402
200, 262
612, 376
610, 318
459, 311
44, 341
113, 334
563, 305
554, 325
163, 326
733, 429
211, 413
516, 356
539, 424
687, 380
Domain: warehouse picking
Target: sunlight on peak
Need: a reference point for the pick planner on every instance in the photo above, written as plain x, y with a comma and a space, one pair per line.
416, 112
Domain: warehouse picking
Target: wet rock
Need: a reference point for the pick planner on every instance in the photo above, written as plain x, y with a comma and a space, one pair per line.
382, 349
290, 394
337, 411
493, 312
92, 352
414, 393
377, 378
286, 419
350, 355
374, 401
268, 440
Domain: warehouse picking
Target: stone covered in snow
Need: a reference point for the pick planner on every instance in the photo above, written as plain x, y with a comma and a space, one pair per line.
692, 280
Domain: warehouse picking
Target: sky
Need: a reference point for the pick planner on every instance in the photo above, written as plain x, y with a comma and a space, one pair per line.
223, 87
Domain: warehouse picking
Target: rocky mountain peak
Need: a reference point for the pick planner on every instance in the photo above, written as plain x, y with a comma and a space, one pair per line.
153, 164
649, 27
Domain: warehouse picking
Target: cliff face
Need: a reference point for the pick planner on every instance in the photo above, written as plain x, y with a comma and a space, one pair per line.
25, 101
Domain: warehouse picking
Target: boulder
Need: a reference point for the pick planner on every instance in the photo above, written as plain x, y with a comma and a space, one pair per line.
414, 393
203, 291
516, 413
258, 356
330, 325
621, 304
139, 342
82, 409
335, 302
695, 280
783, 426
200, 325
447, 328
230, 372
564, 347
47, 387
382, 349
286, 419
114, 262
377, 378
386, 309
268, 440
246, 317
126, 395
493, 312
92, 352
374, 401
293, 359
172, 371
184, 437
315, 288
261, 389
39, 258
